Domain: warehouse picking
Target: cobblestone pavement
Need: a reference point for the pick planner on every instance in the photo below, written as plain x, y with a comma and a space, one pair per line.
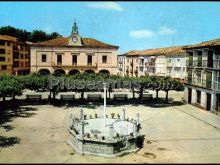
173, 134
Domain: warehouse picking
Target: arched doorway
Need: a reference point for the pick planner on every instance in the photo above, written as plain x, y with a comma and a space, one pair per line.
89, 71
44, 72
74, 71
59, 72
104, 71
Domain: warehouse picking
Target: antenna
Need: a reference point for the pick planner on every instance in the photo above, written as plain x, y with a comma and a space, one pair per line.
202, 35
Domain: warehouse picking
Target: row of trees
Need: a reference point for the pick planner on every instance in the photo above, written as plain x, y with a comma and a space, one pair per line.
23, 35
15, 85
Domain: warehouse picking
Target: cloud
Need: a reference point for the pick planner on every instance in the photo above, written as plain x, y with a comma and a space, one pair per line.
166, 31
141, 34
105, 5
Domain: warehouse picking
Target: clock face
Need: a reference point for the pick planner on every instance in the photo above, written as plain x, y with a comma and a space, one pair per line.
75, 39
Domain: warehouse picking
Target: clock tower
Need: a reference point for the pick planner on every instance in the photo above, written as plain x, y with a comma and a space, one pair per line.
75, 39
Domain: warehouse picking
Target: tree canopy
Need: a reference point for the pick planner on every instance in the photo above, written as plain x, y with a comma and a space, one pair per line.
23, 35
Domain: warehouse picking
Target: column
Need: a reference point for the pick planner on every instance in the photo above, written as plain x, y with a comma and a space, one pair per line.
123, 114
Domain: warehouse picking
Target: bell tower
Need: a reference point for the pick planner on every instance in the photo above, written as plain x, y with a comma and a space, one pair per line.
75, 39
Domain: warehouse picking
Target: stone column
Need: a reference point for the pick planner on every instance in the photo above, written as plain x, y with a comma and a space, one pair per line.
213, 102
135, 127
123, 114
111, 130
81, 127
138, 118
81, 115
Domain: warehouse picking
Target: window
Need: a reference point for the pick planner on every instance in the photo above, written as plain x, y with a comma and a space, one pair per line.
178, 60
8, 43
26, 64
4, 67
170, 60
104, 59
16, 56
21, 48
2, 42
22, 64
16, 64
26, 56
59, 59
43, 58
74, 59
21, 56
2, 51
89, 59
2, 58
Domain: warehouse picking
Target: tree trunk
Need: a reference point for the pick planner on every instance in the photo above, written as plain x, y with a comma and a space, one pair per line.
82, 95
141, 94
133, 93
3, 98
50, 95
157, 94
167, 96
54, 95
109, 94
13, 96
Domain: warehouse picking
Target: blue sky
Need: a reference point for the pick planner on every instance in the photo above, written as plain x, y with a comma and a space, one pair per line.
130, 25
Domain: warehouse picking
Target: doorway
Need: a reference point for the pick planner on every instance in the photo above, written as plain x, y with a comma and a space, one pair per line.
208, 102
189, 95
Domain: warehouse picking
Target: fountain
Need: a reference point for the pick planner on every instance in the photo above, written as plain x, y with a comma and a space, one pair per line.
103, 136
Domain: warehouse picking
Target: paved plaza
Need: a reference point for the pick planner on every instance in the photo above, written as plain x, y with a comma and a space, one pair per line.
173, 134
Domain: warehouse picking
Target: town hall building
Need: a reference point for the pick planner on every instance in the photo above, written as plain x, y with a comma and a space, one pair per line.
72, 55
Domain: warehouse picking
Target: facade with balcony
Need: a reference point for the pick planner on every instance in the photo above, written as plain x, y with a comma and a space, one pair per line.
14, 56
202, 86
176, 66
73, 55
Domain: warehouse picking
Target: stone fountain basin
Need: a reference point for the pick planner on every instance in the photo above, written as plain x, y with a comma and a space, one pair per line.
97, 126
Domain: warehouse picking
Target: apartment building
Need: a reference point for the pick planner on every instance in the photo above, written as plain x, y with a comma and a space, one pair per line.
202, 87
72, 55
160, 61
14, 56
121, 65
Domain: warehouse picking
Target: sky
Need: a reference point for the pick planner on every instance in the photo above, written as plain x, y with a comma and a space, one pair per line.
129, 25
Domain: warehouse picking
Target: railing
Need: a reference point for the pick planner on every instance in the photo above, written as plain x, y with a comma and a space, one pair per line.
196, 63
75, 66
216, 64
199, 82
216, 85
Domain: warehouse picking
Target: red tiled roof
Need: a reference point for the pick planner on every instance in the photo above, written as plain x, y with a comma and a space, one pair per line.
157, 51
215, 42
86, 42
8, 38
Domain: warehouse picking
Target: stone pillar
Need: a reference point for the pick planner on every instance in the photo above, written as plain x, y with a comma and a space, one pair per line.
81, 127
203, 99
186, 94
123, 114
213, 102
135, 127
111, 130
81, 115
194, 96
138, 118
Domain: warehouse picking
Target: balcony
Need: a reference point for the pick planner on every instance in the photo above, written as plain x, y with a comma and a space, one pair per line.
199, 82
216, 85
216, 64
74, 66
